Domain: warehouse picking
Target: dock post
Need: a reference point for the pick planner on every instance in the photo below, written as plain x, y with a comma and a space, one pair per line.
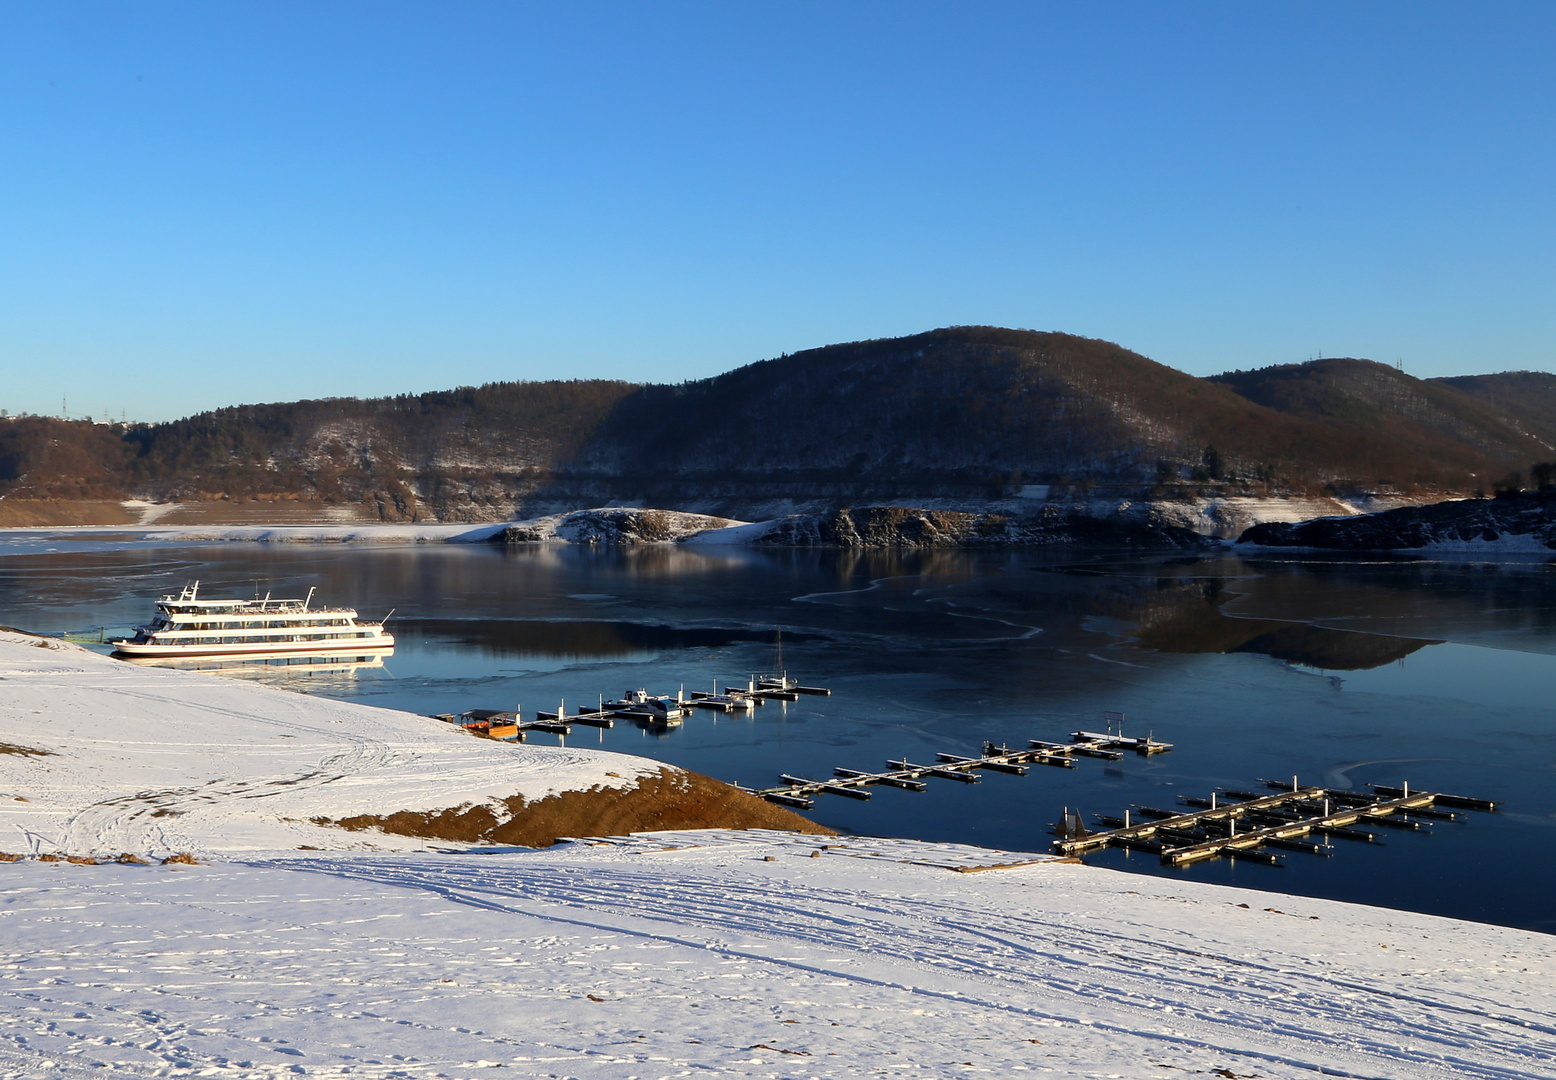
1407, 789
1293, 783
1212, 800
1126, 819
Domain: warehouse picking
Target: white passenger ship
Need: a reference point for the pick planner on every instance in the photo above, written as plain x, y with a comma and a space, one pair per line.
188, 626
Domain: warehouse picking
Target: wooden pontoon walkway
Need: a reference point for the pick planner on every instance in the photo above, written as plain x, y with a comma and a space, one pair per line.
1242, 823
800, 791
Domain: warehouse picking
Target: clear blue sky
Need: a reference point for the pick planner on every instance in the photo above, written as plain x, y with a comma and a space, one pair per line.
214, 203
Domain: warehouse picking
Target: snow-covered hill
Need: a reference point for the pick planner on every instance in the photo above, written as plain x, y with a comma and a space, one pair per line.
99, 757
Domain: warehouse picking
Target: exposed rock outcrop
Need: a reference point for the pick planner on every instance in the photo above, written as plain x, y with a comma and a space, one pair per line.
1523, 522
612, 525
863, 527
897, 526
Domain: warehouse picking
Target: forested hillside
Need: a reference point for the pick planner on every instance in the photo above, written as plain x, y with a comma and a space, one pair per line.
955, 411
1523, 399
966, 413
44, 458
1381, 422
464, 454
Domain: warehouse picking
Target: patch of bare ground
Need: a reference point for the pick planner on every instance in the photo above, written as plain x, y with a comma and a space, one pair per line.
23, 513
669, 799
282, 510
23, 751
127, 858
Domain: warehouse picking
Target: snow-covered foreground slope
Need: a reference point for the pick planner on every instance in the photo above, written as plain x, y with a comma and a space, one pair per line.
673, 954
152, 760
745, 957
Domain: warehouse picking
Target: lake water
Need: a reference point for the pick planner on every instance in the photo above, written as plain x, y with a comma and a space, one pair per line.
1342, 671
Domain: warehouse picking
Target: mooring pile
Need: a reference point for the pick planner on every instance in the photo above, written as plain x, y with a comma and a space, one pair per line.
1242, 824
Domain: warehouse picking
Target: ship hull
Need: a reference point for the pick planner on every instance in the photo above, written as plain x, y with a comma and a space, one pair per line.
273, 648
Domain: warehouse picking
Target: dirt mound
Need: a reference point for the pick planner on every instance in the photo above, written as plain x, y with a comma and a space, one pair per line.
669, 799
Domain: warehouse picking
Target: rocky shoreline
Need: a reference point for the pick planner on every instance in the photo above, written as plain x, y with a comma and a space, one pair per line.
863, 527
1509, 523
910, 527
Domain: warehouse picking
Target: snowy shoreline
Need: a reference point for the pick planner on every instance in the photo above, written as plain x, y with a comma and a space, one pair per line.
744, 953
107, 756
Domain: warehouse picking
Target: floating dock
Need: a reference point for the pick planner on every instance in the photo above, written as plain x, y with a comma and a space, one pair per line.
800, 792
1242, 824
724, 703
511, 726
777, 687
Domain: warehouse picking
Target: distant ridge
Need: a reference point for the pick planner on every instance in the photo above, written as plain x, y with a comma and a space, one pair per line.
1391, 422
1523, 398
954, 416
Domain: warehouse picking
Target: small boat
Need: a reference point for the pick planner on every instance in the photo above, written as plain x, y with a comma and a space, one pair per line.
732, 700
186, 625
779, 679
641, 705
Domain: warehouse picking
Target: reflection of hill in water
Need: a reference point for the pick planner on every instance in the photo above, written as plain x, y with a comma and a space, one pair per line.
513, 637
1185, 617
1178, 610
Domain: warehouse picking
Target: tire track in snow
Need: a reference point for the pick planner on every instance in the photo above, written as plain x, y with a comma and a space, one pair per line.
128, 822
1124, 973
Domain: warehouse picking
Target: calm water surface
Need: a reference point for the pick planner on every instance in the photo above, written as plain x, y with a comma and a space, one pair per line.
1340, 671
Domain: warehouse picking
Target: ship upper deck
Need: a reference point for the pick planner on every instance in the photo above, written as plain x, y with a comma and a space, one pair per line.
293, 611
